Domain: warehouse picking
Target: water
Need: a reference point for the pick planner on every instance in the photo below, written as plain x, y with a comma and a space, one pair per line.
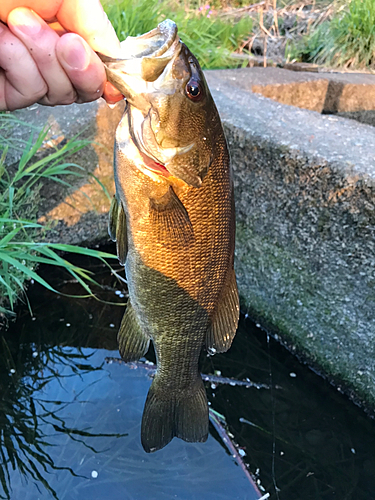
70, 421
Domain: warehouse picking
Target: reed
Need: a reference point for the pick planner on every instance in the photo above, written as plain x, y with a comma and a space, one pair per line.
347, 40
23, 242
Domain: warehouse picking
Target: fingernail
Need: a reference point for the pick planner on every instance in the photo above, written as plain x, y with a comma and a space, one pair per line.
26, 21
75, 53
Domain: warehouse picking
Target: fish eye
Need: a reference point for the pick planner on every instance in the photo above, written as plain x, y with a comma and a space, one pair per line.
194, 90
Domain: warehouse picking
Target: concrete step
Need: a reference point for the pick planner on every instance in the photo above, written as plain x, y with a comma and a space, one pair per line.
330, 93
305, 258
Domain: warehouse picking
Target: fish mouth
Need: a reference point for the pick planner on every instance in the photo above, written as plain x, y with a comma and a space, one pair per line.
141, 61
144, 56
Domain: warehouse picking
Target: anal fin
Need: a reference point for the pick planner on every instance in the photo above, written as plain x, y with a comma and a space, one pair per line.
133, 342
170, 218
224, 323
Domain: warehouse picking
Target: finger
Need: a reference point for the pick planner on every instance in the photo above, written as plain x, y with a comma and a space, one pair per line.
88, 19
83, 67
46, 10
57, 28
21, 84
40, 40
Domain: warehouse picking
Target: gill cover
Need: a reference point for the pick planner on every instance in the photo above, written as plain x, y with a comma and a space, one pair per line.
171, 112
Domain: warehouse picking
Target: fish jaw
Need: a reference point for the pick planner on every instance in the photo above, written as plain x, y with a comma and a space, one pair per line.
156, 158
141, 161
142, 60
153, 80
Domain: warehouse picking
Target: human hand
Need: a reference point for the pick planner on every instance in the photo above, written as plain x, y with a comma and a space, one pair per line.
48, 53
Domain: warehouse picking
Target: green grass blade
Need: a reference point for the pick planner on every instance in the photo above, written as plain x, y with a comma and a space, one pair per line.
25, 270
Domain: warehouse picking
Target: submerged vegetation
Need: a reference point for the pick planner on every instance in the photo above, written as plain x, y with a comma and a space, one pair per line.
23, 243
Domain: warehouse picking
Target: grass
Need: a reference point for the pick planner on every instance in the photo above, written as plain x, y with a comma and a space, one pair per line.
347, 40
211, 39
22, 247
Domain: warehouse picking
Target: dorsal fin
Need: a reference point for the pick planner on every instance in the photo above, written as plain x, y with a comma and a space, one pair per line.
225, 319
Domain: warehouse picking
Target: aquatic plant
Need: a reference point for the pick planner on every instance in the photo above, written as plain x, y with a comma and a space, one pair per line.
23, 243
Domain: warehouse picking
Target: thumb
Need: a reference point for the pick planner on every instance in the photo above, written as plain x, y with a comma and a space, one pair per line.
88, 19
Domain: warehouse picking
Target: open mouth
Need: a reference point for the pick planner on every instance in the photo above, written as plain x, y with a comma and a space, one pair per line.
146, 55
142, 60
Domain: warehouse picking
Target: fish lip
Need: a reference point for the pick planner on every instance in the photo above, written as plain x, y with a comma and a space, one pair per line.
134, 57
136, 131
166, 27
149, 160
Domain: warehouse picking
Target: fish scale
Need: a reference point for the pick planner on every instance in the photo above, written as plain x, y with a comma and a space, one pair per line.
179, 231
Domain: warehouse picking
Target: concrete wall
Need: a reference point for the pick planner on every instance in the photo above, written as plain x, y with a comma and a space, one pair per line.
305, 203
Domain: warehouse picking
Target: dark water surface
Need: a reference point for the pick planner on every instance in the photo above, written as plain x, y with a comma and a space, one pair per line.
70, 421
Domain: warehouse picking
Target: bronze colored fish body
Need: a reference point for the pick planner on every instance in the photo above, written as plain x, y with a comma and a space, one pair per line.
174, 188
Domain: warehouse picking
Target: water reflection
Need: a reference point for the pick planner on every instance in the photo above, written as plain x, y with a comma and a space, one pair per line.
70, 422
33, 402
305, 440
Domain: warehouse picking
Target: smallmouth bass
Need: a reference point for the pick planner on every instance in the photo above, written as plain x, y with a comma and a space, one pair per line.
173, 220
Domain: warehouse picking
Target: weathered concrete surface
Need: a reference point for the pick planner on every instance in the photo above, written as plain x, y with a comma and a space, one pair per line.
305, 191
305, 197
322, 92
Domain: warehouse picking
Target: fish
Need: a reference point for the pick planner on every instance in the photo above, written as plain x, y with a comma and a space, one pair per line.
173, 220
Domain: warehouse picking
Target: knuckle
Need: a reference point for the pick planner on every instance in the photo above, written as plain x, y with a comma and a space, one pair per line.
88, 98
69, 99
38, 93
51, 99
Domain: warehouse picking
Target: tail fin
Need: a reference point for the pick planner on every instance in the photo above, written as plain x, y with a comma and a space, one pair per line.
167, 414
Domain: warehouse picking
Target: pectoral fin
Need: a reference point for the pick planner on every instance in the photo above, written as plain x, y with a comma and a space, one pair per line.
133, 343
112, 221
121, 236
117, 229
170, 218
225, 320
